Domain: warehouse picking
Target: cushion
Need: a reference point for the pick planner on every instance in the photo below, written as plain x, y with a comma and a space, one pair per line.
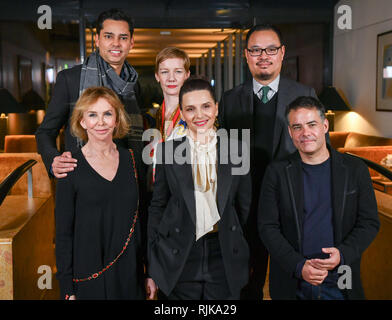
355, 139
20, 143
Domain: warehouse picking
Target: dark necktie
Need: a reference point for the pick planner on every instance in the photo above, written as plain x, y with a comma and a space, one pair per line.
265, 91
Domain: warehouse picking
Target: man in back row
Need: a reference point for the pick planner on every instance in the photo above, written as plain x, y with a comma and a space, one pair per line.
105, 67
259, 105
317, 211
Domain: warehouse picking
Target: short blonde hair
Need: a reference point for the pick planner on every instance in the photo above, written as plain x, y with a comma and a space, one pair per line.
88, 98
172, 52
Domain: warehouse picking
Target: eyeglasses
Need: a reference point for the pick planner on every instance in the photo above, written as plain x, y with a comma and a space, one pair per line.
271, 51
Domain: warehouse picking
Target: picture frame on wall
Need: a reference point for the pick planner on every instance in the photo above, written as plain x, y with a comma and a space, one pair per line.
384, 72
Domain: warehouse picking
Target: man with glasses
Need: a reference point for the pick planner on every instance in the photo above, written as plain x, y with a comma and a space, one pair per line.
259, 105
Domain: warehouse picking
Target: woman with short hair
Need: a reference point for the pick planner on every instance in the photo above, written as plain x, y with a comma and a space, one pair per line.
171, 70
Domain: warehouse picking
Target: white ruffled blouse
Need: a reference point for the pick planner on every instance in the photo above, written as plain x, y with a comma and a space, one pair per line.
204, 173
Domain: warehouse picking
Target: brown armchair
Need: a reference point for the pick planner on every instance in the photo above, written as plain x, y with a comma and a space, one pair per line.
20, 143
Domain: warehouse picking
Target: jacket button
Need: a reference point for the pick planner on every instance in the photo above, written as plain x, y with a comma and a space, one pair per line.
177, 230
233, 228
175, 251
235, 250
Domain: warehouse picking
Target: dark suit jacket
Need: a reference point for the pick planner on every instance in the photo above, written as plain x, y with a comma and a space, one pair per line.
236, 112
59, 111
280, 217
172, 215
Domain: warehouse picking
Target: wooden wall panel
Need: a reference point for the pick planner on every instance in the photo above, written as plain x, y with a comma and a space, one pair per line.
27, 232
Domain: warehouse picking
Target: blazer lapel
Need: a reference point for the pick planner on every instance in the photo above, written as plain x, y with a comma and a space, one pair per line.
339, 180
224, 176
295, 184
283, 100
247, 103
183, 173
248, 109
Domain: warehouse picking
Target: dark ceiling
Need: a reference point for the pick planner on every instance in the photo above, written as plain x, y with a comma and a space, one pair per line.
178, 13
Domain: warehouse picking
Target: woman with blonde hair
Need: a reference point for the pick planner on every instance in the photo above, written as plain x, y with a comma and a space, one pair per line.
171, 70
98, 234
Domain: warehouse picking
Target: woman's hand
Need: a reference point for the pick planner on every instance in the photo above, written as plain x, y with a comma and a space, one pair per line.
151, 288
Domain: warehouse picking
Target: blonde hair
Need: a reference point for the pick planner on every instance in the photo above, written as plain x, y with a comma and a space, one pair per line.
172, 52
88, 98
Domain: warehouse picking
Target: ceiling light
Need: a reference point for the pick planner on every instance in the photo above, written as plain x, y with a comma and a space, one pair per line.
223, 12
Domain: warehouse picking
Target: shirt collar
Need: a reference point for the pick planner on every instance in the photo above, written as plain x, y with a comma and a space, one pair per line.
273, 85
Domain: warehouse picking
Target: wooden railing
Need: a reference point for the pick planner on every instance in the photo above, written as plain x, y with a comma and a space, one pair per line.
7, 184
375, 166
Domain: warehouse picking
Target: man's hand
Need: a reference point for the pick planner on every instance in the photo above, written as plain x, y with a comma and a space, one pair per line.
313, 275
327, 264
151, 288
63, 164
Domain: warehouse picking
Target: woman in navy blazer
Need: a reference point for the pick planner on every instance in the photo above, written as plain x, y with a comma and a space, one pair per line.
196, 246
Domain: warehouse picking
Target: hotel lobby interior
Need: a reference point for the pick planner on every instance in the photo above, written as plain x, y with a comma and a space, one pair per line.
342, 49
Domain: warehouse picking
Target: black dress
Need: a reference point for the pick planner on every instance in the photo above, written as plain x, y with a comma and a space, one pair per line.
93, 220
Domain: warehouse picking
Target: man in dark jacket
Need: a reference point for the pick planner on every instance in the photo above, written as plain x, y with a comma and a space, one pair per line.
317, 213
259, 105
105, 67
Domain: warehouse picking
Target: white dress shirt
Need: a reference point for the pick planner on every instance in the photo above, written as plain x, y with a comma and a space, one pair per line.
274, 85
